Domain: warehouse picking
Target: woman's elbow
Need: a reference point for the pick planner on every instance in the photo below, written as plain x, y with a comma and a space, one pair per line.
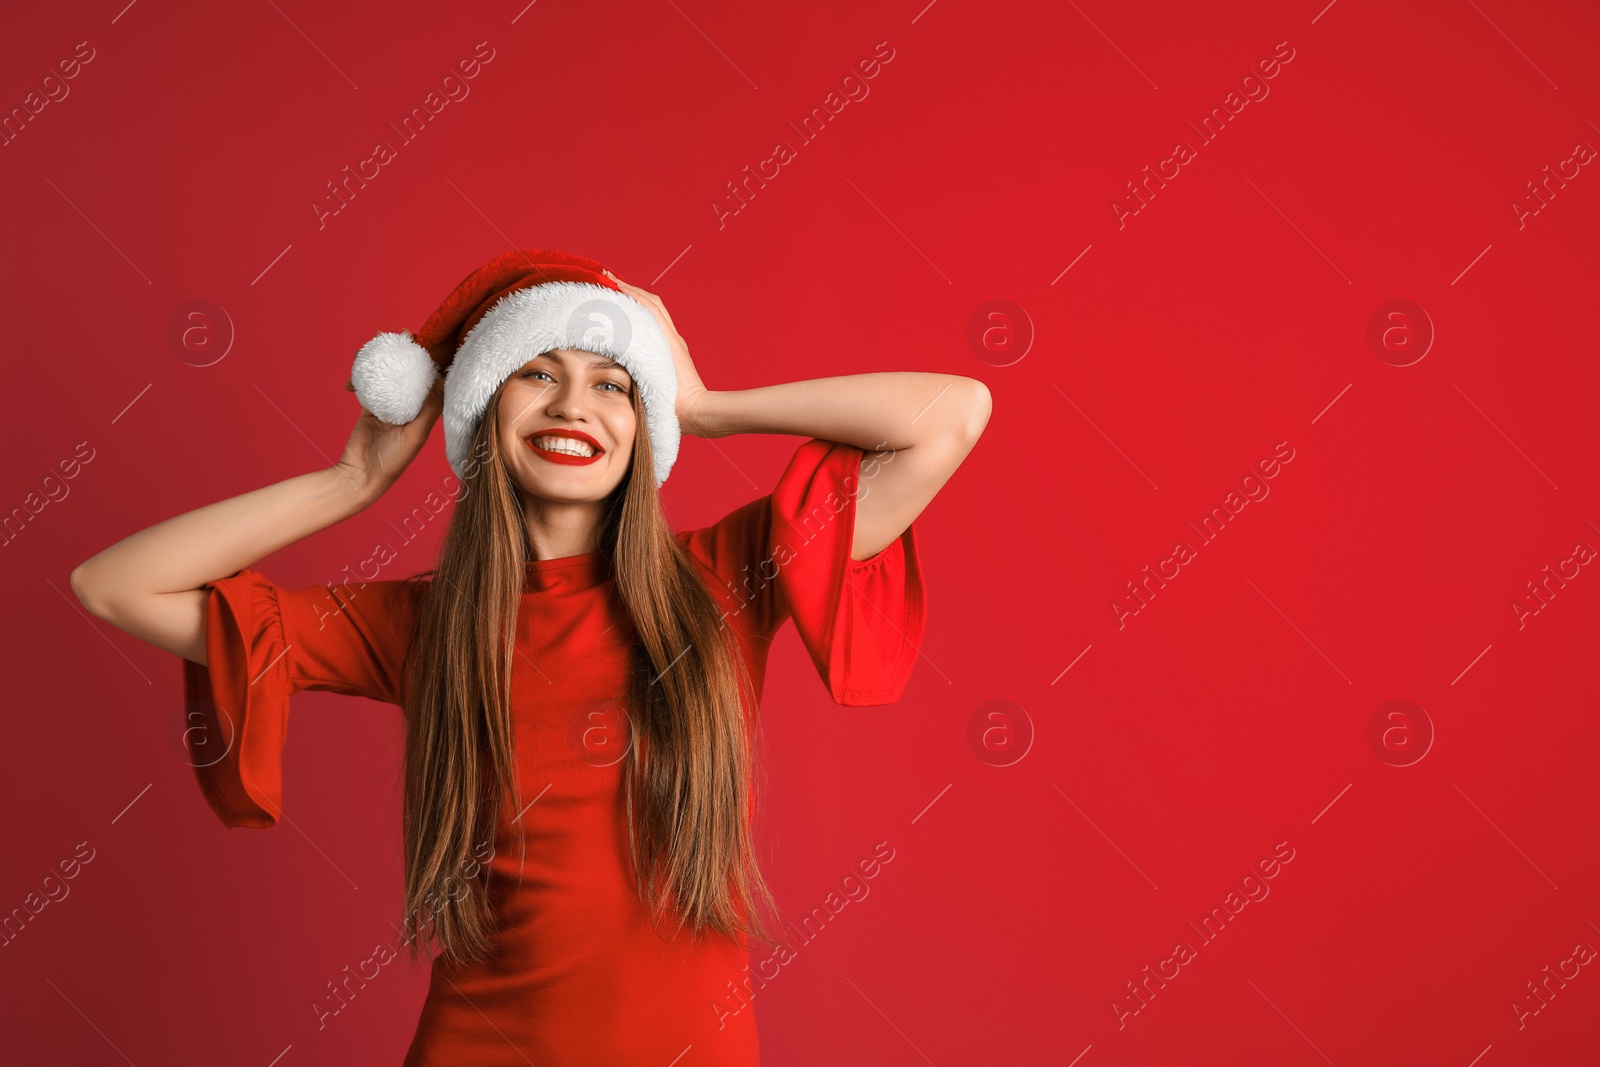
977, 405
88, 590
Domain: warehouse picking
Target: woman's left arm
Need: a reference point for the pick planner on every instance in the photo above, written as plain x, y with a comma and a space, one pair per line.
916, 426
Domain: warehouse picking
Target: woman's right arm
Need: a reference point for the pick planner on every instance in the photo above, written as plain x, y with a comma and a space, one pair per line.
150, 584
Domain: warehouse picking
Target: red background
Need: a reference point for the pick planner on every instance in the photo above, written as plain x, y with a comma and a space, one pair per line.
1229, 315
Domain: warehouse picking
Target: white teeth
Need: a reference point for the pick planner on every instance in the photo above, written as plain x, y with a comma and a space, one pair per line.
565, 445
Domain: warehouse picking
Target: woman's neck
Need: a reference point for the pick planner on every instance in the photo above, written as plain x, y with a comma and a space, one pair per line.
557, 530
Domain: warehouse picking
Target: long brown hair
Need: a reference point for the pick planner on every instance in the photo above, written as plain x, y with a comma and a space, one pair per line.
689, 775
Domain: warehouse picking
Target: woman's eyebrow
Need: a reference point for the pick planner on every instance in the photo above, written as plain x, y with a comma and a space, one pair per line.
606, 364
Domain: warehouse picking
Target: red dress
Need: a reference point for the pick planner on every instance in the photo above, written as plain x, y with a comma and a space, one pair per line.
577, 976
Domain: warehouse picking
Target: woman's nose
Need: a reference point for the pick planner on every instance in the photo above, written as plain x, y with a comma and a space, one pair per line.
564, 399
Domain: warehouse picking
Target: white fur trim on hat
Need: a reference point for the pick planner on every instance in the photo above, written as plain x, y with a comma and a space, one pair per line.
577, 315
392, 375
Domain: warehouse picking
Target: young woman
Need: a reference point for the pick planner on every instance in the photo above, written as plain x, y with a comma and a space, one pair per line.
578, 683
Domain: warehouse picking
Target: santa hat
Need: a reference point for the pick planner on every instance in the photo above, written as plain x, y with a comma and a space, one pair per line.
513, 308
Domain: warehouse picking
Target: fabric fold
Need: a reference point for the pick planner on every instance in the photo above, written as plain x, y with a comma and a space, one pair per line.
787, 556
264, 643
861, 621
236, 706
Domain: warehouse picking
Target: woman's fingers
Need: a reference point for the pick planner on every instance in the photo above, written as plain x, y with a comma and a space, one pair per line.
634, 289
651, 301
432, 407
654, 305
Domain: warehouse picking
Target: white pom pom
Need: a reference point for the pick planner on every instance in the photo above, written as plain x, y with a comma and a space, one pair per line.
392, 375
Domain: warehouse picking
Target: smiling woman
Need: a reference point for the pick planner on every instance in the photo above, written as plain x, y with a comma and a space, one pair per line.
567, 423
564, 624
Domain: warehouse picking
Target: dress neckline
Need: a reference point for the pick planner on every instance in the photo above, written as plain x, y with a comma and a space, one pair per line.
567, 573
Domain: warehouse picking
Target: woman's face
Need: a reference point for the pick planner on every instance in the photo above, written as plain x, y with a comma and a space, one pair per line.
578, 403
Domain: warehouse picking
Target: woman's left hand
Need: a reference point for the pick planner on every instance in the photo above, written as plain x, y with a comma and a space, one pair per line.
691, 390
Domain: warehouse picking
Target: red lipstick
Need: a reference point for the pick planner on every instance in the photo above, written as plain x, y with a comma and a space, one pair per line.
563, 457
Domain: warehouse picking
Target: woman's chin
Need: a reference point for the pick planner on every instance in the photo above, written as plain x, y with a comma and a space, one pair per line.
569, 485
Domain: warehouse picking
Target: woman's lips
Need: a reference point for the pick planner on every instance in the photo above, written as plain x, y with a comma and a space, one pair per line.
562, 457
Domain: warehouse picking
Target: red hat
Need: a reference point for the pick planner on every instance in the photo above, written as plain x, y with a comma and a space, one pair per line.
513, 308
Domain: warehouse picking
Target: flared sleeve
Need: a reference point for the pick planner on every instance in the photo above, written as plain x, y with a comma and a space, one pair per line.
787, 556
265, 643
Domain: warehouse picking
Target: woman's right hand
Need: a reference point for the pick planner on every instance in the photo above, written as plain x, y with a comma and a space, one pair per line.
378, 452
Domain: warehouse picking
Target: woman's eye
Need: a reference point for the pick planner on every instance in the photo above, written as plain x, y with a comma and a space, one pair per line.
613, 386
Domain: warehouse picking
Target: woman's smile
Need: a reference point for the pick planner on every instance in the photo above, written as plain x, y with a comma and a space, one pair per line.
572, 447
